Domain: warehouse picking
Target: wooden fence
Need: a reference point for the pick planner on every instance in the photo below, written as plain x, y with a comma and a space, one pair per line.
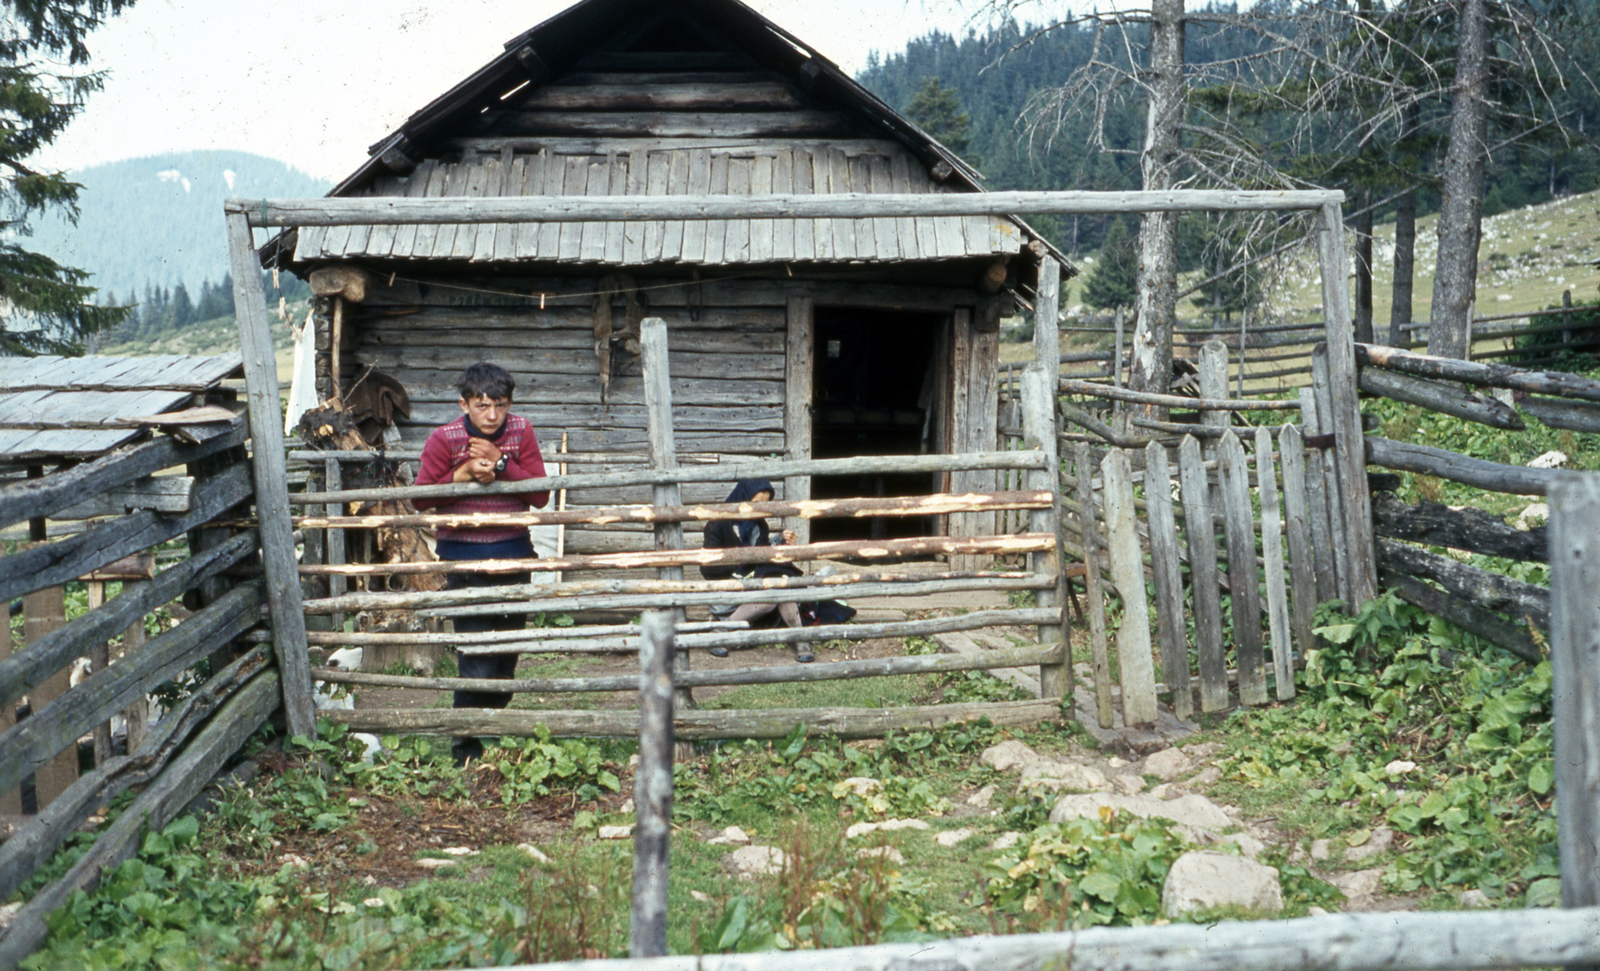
1035, 497
167, 762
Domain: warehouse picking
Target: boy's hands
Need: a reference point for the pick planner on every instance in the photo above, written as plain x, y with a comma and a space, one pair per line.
481, 470
482, 448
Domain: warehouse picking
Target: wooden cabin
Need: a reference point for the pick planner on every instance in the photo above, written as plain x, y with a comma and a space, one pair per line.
788, 338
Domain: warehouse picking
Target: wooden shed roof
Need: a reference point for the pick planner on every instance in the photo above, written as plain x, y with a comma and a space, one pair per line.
659, 97
76, 406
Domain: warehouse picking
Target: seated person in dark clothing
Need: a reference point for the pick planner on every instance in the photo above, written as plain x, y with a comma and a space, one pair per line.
486, 444
732, 533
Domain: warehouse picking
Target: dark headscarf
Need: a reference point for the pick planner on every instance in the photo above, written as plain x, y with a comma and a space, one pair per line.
744, 491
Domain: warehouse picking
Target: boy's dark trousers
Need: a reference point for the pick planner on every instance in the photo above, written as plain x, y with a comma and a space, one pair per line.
495, 666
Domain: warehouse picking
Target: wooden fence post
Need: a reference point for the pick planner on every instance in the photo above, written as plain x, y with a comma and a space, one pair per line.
1127, 572
652, 788
1168, 577
1575, 663
1339, 511
1214, 385
1298, 519
1200, 530
1317, 503
1244, 593
799, 365
1039, 428
1046, 320
1272, 557
271, 479
1094, 595
663, 454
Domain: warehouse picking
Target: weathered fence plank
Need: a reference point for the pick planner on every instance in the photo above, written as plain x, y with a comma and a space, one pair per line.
1340, 510
1575, 663
1136, 666
1039, 425
1245, 594
652, 789
1297, 516
1319, 503
1168, 578
1202, 542
1100, 657
1272, 567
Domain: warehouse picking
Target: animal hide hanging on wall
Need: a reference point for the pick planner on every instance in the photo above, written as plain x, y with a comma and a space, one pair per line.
609, 341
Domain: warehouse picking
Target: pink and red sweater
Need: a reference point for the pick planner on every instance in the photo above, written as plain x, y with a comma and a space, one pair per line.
447, 449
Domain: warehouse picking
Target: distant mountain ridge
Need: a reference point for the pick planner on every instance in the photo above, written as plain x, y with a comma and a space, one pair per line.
157, 221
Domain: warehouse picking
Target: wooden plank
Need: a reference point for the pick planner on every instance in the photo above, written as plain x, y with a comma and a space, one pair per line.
885, 229
617, 169
1297, 515
389, 238
460, 180
555, 184
677, 184
271, 481
761, 231
664, 96
1575, 663
1243, 585
652, 789
1198, 513
53, 771
1319, 504
1039, 434
736, 248
513, 184
806, 123
865, 231
638, 165
800, 347
843, 228
1340, 513
960, 363
575, 182
1093, 594
783, 184
805, 230
905, 226
427, 234
1137, 666
592, 244
169, 493
1272, 556
482, 239
694, 231
479, 177
1167, 576
1047, 309
717, 230
1449, 399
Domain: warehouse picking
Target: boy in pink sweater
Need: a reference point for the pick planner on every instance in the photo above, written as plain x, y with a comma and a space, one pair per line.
486, 444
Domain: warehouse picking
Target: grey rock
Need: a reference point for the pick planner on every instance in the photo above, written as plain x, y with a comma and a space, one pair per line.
1358, 883
1208, 776
1190, 810
1008, 755
1129, 785
1006, 841
980, 799
754, 861
1168, 764
1202, 879
1380, 841
1473, 900
1321, 850
1052, 775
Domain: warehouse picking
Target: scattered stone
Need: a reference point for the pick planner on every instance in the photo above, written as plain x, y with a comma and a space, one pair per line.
887, 826
1315, 911
1202, 750
459, 851
8, 913
1008, 755
701, 896
953, 837
295, 861
1251, 847
1549, 460
1190, 810
615, 832
1054, 776
1168, 764
1321, 850
373, 902
882, 853
860, 786
1357, 883
1129, 785
1117, 763
1006, 841
433, 863
1534, 515
731, 836
1473, 900
1202, 879
755, 861
633, 761
1399, 767
1376, 842
626, 807
1210, 775
980, 799
533, 851
369, 881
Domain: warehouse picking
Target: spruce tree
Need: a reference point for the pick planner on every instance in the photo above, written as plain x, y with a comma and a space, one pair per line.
937, 110
1114, 281
45, 307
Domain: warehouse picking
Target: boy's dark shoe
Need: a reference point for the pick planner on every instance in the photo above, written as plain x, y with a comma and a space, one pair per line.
463, 750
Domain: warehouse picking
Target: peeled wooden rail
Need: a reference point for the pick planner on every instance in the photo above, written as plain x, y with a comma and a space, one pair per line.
1069, 386
773, 674
1478, 473
703, 473
713, 723
551, 635
1557, 383
641, 559
932, 505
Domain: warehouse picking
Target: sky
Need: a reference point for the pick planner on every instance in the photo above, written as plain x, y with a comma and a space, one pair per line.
315, 82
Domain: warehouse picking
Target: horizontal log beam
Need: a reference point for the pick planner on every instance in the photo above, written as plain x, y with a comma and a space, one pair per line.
52, 564
1490, 626
551, 635
32, 845
1475, 585
965, 461
933, 505
1577, 416
1071, 386
168, 493
1449, 399
1557, 383
28, 668
1478, 473
390, 210
51, 729
41, 497
775, 674
733, 556
725, 723
834, 585
1468, 529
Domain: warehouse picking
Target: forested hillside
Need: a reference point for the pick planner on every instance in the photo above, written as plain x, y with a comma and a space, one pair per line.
156, 222
1018, 141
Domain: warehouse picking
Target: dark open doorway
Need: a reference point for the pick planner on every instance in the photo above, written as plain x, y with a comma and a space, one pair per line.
874, 390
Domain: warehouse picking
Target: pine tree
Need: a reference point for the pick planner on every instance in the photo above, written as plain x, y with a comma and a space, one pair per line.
937, 110
45, 307
1114, 281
